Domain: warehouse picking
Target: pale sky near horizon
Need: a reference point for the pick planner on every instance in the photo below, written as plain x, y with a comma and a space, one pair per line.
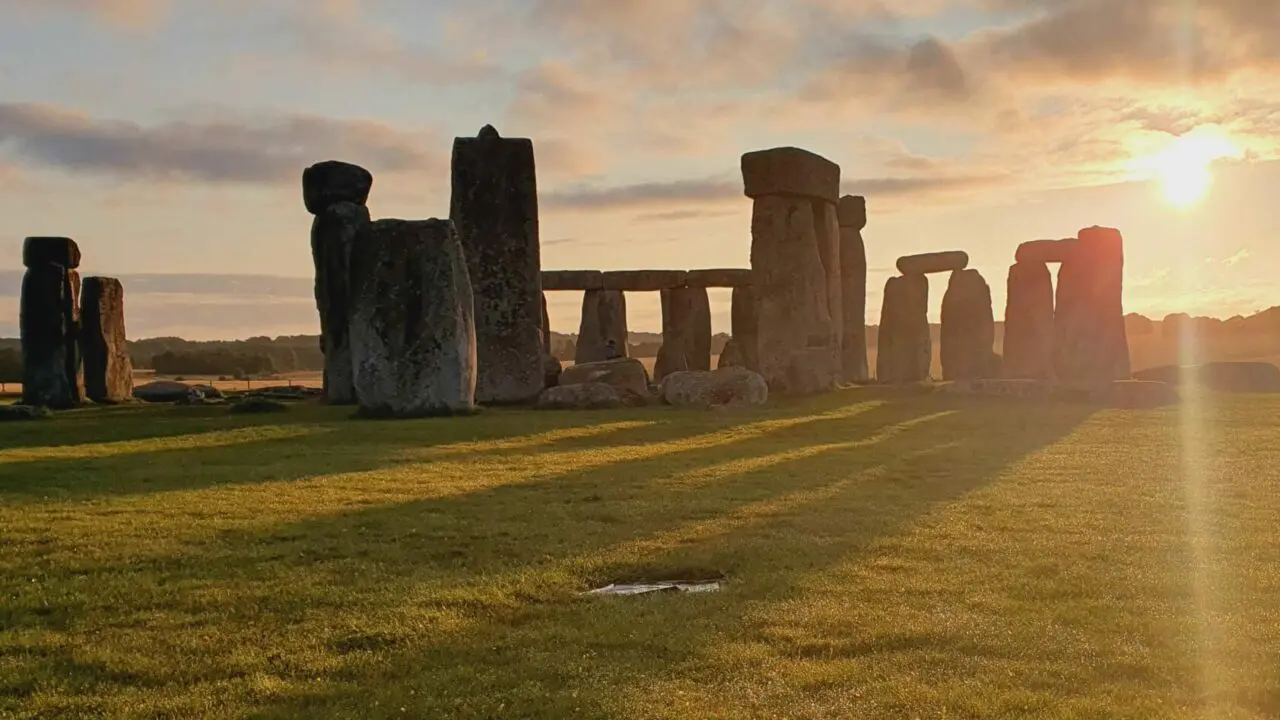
168, 136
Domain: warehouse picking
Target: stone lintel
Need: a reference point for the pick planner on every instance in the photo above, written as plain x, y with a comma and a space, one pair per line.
61, 251
572, 280
938, 262
1046, 251
719, 278
644, 280
790, 171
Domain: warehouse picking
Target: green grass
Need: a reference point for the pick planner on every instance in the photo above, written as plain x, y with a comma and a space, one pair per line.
885, 556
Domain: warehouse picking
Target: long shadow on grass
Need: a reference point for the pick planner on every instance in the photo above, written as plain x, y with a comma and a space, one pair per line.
767, 529
767, 510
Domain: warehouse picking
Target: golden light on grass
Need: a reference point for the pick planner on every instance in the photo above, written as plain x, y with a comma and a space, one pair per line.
1183, 166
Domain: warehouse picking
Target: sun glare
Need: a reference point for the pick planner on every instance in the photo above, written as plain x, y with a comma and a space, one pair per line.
1184, 166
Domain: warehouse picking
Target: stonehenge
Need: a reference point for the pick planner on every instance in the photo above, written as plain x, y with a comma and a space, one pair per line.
686, 332
49, 318
108, 370
968, 329
1076, 334
905, 348
494, 209
412, 332
335, 193
602, 334
795, 263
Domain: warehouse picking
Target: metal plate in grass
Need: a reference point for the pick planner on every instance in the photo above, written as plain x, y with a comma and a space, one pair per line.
695, 586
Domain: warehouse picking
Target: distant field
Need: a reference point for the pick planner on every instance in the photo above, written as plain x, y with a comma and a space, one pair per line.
884, 555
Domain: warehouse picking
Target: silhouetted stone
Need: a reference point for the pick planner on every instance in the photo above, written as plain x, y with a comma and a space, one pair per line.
745, 326
644, 280
705, 389
604, 320
47, 325
731, 355
41, 251
626, 374
108, 371
334, 233
905, 349
551, 370
795, 258
686, 332
546, 327
790, 172
968, 328
413, 343
1089, 336
1028, 323
333, 181
938, 262
495, 212
581, 396
572, 280
718, 278
853, 277
1045, 251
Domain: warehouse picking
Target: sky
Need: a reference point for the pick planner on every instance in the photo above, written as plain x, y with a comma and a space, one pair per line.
168, 137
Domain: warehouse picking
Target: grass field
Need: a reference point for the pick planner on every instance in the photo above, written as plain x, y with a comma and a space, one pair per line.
885, 556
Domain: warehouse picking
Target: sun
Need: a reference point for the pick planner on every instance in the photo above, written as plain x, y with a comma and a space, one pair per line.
1184, 166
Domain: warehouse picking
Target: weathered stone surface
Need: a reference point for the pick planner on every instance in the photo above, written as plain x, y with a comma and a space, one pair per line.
546, 327
581, 396
626, 374
968, 328
40, 251
166, 391
334, 181
603, 330
572, 280
686, 332
1028, 323
47, 325
853, 212
745, 326
795, 258
413, 343
1045, 251
853, 292
494, 209
108, 371
551, 370
707, 389
644, 280
938, 262
791, 172
905, 349
334, 233
718, 278
1231, 377
1089, 333
731, 355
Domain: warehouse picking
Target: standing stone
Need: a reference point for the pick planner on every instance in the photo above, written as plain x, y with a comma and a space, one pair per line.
853, 278
686, 332
905, 349
336, 193
49, 316
546, 327
602, 334
495, 211
413, 343
968, 328
1089, 336
731, 355
795, 262
1028, 323
333, 236
108, 371
745, 326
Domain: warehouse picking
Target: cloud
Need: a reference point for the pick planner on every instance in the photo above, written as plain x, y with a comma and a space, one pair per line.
895, 187
123, 14
232, 149
1238, 258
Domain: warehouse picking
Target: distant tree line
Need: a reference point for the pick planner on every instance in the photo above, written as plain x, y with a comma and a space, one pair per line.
255, 356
